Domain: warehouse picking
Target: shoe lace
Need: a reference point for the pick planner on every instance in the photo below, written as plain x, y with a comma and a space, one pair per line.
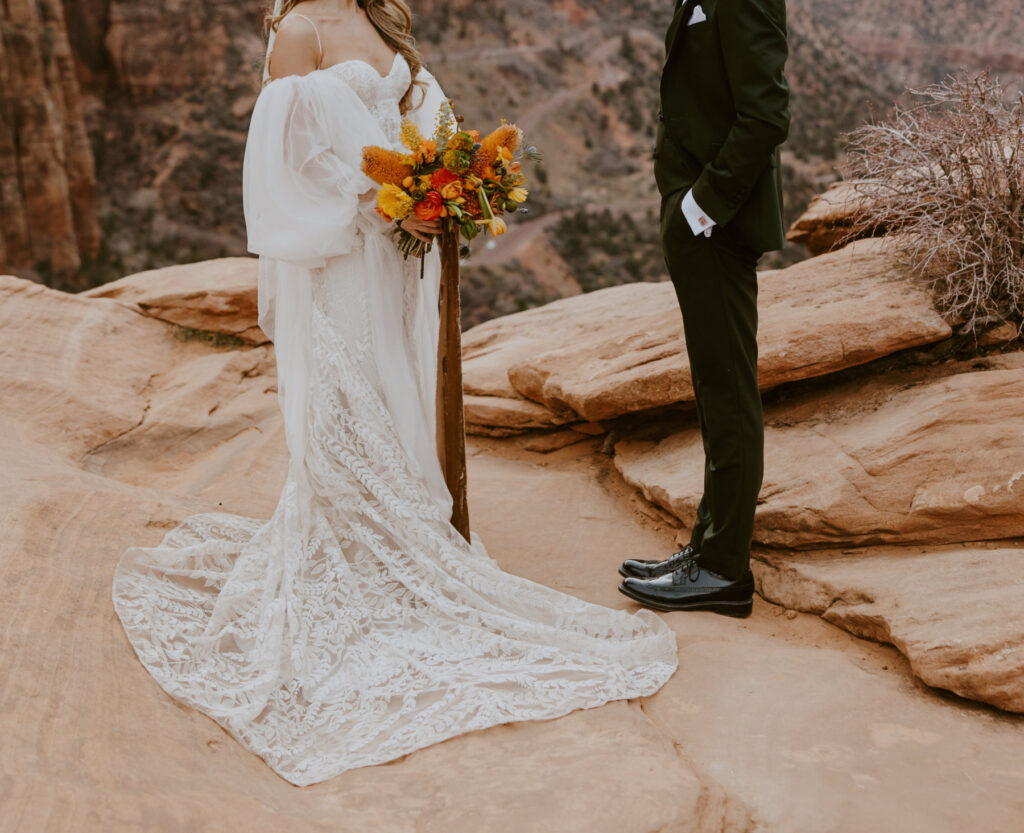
683, 555
688, 566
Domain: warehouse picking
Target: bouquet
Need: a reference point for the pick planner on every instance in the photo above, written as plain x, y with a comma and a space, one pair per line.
467, 182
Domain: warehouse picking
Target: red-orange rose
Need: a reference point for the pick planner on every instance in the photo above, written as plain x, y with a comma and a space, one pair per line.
442, 177
430, 207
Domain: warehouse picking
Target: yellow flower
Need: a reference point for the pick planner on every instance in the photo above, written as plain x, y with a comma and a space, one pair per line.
453, 190
394, 202
411, 136
385, 166
518, 194
497, 226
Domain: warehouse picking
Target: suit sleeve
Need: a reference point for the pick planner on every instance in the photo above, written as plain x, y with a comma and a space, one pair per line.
754, 46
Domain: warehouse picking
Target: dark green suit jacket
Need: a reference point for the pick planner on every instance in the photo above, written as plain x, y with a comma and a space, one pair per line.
724, 113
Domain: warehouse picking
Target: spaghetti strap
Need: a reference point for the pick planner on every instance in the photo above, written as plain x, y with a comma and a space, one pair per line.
316, 32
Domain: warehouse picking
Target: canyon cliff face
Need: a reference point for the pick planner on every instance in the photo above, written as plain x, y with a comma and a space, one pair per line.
158, 50
47, 181
914, 38
168, 89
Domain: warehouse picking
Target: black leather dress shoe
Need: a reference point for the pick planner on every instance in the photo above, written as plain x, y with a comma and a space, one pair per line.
692, 587
639, 568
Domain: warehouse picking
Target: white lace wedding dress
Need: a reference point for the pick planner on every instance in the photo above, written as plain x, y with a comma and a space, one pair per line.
357, 625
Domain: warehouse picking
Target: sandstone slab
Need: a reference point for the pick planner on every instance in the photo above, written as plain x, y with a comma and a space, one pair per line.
111, 431
956, 613
544, 443
503, 416
213, 295
810, 728
621, 350
821, 735
75, 369
92, 741
489, 349
939, 461
118, 394
770, 724
828, 219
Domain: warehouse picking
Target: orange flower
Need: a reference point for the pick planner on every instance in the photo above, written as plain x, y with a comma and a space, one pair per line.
447, 183
507, 136
442, 177
426, 152
385, 167
430, 207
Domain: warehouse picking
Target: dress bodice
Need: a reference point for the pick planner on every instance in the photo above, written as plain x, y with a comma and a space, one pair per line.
380, 93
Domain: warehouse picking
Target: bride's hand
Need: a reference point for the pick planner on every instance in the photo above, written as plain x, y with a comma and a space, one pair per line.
421, 229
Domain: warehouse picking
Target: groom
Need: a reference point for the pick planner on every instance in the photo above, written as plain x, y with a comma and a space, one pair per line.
724, 113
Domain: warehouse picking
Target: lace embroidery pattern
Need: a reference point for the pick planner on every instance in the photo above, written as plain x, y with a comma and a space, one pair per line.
380, 94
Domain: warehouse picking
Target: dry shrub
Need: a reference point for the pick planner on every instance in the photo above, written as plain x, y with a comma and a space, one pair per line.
944, 178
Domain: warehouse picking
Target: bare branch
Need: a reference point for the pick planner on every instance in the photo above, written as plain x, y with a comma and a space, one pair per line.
943, 177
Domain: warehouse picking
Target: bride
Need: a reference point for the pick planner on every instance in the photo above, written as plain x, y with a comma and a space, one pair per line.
357, 625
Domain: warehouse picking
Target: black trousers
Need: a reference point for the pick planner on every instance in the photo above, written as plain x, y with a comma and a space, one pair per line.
715, 279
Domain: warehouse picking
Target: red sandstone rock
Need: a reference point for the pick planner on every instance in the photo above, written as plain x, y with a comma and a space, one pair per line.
620, 350
47, 179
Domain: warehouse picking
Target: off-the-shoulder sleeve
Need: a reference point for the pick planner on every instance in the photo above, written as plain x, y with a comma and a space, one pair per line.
301, 177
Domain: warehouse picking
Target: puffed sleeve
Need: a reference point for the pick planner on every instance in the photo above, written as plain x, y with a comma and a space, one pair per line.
301, 177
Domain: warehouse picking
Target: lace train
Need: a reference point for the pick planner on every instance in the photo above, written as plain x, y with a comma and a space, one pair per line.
356, 625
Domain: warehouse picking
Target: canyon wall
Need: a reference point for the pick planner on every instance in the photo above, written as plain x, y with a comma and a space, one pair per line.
167, 89
49, 221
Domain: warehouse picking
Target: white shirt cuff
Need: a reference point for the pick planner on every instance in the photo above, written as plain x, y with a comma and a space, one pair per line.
698, 220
